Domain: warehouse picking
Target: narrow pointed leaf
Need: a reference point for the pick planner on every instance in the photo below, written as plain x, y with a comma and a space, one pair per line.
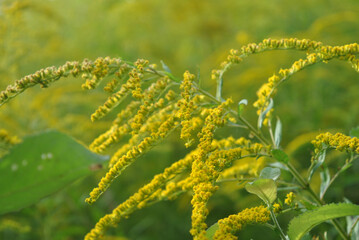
317, 163
241, 104
165, 67
264, 113
278, 133
212, 230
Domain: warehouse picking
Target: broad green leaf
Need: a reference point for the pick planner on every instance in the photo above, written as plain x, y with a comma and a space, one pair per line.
41, 165
308, 205
303, 223
278, 133
307, 237
265, 189
212, 230
270, 173
264, 113
241, 104
280, 156
354, 132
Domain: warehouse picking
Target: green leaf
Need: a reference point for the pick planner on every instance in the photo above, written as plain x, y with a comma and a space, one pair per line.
270, 173
278, 133
318, 161
212, 230
41, 165
354, 132
264, 113
165, 67
324, 180
265, 189
241, 104
280, 156
303, 223
308, 205
352, 225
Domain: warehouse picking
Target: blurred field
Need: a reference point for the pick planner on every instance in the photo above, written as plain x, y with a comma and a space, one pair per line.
186, 35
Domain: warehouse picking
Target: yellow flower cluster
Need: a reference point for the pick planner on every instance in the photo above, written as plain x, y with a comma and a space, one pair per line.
152, 125
149, 106
204, 170
99, 70
128, 119
317, 53
113, 134
133, 83
187, 107
248, 167
354, 62
7, 139
139, 199
289, 199
120, 73
230, 225
136, 151
321, 54
338, 141
277, 208
9, 224
236, 56
268, 90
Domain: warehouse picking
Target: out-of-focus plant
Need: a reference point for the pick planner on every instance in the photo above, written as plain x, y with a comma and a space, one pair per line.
152, 103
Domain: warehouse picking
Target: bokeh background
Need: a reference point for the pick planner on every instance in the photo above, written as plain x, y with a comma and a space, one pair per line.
186, 35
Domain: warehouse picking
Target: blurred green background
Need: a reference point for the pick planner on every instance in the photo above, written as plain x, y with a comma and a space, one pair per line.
186, 35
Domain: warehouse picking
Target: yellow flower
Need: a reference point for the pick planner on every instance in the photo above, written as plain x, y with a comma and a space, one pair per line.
338, 141
277, 208
230, 225
289, 199
149, 192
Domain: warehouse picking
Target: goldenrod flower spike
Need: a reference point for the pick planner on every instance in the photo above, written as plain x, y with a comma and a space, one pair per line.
230, 225
114, 133
46, 76
98, 72
187, 107
136, 151
204, 172
139, 199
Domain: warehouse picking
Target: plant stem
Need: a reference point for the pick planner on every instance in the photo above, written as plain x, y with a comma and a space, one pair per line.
243, 120
352, 227
276, 223
345, 166
271, 133
305, 186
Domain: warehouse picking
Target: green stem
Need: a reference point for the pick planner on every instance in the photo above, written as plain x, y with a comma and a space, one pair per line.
276, 223
243, 120
352, 228
254, 131
305, 186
